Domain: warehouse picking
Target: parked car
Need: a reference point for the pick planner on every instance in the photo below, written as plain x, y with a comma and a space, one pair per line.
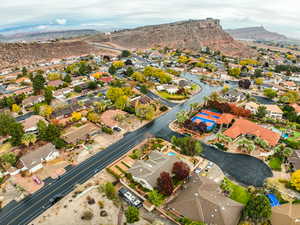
130, 198
118, 129
37, 180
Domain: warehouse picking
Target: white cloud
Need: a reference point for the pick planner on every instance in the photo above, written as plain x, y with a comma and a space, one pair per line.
276, 15
61, 21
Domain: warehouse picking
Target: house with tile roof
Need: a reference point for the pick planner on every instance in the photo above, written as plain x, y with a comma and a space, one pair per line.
248, 128
146, 172
202, 200
55, 83
273, 111
289, 85
294, 160
296, 108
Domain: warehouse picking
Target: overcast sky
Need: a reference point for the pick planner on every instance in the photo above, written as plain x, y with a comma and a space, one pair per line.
276, 15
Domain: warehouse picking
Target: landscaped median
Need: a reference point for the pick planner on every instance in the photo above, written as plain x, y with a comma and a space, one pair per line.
174, 97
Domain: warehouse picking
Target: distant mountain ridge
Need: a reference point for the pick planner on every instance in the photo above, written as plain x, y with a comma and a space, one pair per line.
190, 34
255, 33
48, 35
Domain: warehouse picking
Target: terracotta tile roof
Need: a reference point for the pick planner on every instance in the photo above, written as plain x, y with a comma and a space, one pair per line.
106, 79
296, 107
273, 108
55, 83
242, 127
289, 83
24, 90
226, 118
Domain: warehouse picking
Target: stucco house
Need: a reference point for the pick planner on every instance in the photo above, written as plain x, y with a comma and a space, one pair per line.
33, 161
30, 124
146, 172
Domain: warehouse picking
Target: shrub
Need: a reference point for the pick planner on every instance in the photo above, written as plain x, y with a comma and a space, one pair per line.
107, 130
109, 190
101, 204
132, 214
155, 198
87, 215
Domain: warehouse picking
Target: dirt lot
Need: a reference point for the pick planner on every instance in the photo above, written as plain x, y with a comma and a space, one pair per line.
70, 209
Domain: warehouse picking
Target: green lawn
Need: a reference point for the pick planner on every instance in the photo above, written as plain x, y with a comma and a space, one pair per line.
176, 97
275, 163
295, 137
238, 193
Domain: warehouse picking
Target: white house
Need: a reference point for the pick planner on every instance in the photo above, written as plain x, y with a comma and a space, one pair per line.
252, 106
33, 161
274, 111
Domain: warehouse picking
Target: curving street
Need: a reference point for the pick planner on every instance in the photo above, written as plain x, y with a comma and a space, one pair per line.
244, 169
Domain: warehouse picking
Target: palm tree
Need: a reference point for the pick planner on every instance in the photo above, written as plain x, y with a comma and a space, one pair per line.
28, 139
246, 145
181, 117
262, 143
100, 106
284, 151
223, 138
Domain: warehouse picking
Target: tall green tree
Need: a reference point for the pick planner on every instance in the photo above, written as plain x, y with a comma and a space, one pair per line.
9, 126
258, 209
125, 53
38, 83
67, 79
48, 96
261, 112
112, 70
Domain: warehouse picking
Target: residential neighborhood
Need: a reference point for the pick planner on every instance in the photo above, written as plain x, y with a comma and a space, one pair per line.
182, 137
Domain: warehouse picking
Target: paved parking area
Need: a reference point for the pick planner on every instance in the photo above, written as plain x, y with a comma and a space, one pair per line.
245, 169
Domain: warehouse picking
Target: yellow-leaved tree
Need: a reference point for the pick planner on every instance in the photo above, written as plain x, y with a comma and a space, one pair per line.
76, 116
295, 180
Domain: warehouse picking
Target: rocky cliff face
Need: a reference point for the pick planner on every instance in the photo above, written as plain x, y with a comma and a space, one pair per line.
255, 33
192, 34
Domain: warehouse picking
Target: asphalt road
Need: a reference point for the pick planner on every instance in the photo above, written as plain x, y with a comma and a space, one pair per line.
154, 96
247, 170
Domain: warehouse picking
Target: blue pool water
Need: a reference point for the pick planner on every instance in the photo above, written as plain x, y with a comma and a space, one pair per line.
171, 153
273, 200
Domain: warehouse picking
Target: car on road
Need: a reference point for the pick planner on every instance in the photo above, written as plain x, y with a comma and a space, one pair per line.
55, 199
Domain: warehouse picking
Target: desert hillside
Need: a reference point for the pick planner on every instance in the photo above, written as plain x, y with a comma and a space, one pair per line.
255, 33
192, 34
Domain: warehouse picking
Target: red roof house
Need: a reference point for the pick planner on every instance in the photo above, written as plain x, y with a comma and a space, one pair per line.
243, 127
106, 79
